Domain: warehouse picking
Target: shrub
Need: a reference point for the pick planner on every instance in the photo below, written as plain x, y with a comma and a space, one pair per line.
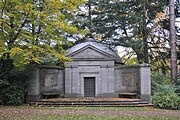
178, 86
160, 78
13, 95
12, 83
165, 97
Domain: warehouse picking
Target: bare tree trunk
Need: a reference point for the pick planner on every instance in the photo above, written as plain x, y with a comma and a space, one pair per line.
173, 42
145, 43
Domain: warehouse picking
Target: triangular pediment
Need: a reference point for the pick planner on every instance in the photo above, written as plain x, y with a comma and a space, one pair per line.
90, 52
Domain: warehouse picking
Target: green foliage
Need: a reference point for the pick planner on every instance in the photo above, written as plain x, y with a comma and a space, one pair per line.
131, 61
178, 86
123, 23
160, 78
13, 94
165, 97
12, 83
31, 29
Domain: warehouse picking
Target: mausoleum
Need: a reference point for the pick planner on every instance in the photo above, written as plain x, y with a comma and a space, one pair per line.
95, 71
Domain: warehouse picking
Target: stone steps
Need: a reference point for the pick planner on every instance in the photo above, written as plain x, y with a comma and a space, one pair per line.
91, 103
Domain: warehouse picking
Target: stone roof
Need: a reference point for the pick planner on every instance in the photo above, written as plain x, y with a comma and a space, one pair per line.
96, 44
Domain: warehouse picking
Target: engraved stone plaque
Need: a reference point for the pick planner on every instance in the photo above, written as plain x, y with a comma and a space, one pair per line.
50, 80
129, 80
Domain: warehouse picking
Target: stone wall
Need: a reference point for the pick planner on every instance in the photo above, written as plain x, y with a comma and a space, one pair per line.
45, 81
133, 79
51, 80
102, 71
33, 91
109, 80
127, 79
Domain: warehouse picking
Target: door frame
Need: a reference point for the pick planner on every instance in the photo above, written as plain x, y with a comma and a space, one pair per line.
97, 81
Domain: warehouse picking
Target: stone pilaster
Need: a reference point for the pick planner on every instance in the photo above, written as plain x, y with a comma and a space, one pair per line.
33, 86
145, 82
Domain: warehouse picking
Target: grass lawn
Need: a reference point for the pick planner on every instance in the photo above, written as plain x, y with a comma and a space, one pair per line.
86, 113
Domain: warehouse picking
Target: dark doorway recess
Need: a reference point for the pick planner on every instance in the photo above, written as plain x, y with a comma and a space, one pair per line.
89, 86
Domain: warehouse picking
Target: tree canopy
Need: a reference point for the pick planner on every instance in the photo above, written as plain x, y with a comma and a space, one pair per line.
125, 23
35, 30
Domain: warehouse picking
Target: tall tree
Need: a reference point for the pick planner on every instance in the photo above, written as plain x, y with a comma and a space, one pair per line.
125, 23
35, 30
144, 33
173, 41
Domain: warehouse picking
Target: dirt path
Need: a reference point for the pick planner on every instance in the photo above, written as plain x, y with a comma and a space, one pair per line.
13, 111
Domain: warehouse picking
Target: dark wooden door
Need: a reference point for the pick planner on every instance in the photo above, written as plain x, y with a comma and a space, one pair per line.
89, 87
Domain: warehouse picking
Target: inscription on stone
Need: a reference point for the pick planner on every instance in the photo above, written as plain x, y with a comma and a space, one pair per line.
129, 80
50, 80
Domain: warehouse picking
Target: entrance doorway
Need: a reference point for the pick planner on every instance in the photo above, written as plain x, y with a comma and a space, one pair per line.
89, 86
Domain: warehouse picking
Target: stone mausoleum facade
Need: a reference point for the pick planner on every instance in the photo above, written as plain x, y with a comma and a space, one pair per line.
95, 71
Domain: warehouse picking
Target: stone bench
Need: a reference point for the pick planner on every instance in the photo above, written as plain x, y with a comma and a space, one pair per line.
127, 95
50, 95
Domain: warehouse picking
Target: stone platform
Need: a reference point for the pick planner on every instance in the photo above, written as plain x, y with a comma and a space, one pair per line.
91, 102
